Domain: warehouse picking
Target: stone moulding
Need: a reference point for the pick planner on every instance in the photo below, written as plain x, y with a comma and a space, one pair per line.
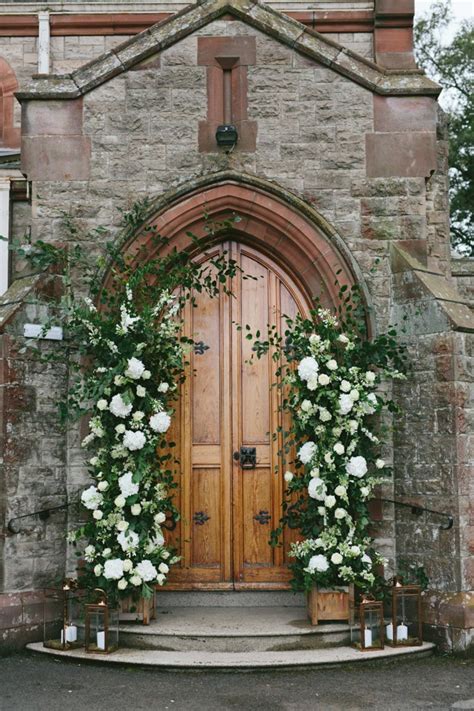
252, 12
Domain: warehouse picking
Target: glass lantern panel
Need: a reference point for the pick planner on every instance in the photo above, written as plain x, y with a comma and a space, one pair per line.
371, 629
113, 629
60, 620
406, 618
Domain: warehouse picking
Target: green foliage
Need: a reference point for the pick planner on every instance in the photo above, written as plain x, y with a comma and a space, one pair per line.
452, 66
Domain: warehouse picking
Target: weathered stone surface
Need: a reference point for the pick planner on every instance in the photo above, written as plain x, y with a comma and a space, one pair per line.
400, 154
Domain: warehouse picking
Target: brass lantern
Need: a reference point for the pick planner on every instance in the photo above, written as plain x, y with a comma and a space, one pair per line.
65, 601
405, 626
367, 624
101, 625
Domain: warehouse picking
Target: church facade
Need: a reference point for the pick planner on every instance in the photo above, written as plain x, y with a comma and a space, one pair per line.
339, 167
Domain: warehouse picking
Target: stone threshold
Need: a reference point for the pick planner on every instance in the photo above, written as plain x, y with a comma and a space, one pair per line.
238, 661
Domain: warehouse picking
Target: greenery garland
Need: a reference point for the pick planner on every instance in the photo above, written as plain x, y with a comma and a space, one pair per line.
331, 375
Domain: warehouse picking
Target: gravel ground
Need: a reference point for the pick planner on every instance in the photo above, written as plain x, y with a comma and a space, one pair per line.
34, 683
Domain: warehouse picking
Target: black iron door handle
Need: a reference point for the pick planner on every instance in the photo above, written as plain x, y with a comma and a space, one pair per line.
247, 457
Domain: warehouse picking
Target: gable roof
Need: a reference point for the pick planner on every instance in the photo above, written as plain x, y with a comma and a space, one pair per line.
254, 13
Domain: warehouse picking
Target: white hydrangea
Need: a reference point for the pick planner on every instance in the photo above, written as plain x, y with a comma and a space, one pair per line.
146, 570
317, 489
113, 569
136, 580
307, 452
308, 368
356, 466
160, 422
345, 404
134, 369
91, 498
134, 440
354, 394
119, 407
127, 486
127, 565
317, 563
128, 540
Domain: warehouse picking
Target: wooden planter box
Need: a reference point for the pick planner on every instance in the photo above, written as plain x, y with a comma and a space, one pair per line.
325, 605
137, 610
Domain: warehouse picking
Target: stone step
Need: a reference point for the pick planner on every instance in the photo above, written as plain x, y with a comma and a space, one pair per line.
232, 629
230, 598
240, 661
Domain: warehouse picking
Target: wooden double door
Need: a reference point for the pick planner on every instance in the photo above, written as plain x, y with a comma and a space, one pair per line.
230, 483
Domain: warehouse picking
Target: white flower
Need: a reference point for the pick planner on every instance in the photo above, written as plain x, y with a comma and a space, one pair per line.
119, 380
134, 440
324, 415
314, 472
307, 452
122, 584
159, 518
339, 448
369, 407
345, 386
354, 395
329, 501
135, 509
163, 568
146, 570
118, 407
102, 404
138, 415
345, 404
98, 570
103, 485
141, 391
128, 540
317, 489
340, 513
127, 486
127, 565
308, 368
331, 364
306, 406
370, 377
126, 321
353, 426
119, 501
340, 490
366, 559
146, 375
365, 491
136, 580
336, 558
91, 498
321, 511
342, 338
94, 461
379, 463
163, 387
328, 458
318, 563
160, 578
120, 429
356, 466
314, 339
160, 422
89, 552
134, 369
288, 476
355, 550
312, 383
324, 379
106, 552
165, 554
113, 569
122, 525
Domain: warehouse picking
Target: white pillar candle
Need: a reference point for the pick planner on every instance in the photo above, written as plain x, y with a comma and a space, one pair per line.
389, 632
367, 638
71, 633
402, 632
100, 640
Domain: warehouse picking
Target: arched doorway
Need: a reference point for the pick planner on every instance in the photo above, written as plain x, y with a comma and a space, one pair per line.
230, 487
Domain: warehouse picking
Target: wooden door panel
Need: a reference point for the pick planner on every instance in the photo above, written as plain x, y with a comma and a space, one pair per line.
228, 403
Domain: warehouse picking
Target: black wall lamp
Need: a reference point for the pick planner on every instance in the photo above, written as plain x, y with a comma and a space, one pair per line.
227, 136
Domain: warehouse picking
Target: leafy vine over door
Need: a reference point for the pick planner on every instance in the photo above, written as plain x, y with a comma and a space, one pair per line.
230, 490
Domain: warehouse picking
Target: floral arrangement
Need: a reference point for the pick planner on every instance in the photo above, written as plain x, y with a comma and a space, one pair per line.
331, 375
127, 358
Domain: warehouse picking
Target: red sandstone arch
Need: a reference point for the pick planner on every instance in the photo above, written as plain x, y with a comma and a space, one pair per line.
267, 223
9, 135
